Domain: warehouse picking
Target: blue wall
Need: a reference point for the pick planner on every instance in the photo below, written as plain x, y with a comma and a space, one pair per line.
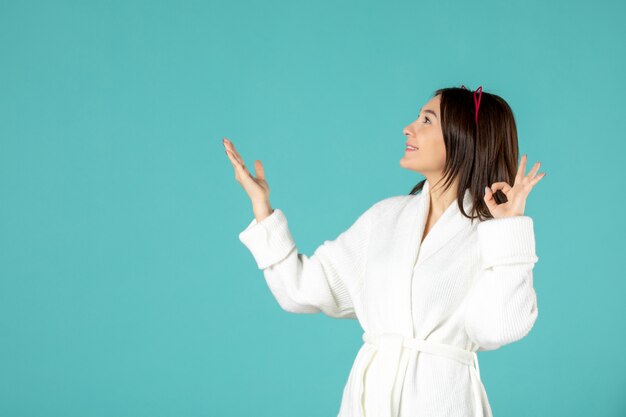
124, 290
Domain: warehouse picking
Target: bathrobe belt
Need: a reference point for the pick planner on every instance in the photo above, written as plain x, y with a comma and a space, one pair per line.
390, 345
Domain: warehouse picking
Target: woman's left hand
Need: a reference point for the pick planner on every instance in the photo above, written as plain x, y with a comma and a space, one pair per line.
515, 195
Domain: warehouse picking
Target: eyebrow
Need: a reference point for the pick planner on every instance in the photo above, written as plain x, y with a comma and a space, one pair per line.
431, 112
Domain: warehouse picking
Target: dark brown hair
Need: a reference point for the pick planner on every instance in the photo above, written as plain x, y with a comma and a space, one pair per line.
477, 154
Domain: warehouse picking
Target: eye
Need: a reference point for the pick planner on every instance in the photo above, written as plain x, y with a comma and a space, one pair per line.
427, 119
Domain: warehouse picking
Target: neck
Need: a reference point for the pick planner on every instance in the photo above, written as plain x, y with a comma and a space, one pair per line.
440, 200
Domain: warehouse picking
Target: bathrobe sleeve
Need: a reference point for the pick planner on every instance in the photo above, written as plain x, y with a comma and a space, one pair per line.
502, 304
323, 282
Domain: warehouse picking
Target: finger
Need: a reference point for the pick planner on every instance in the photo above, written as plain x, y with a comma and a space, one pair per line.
490, 200
230, 146
537, 178
501, 185
533, 171
521, 169
232, 158
259, 170
230, 149
239, 167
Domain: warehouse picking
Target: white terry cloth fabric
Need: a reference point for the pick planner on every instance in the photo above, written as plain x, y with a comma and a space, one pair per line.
425, 308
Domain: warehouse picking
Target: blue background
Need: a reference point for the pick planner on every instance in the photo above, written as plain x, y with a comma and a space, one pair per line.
124, 289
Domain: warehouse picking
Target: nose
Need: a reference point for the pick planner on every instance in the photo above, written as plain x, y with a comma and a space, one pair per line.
407, 130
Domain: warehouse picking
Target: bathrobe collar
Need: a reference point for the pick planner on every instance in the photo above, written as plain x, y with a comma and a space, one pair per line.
451, 222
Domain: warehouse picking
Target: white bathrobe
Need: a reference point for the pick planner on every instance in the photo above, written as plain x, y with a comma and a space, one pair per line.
425, 309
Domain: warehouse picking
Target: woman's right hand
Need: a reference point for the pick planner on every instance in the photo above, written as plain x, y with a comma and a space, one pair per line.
256, 188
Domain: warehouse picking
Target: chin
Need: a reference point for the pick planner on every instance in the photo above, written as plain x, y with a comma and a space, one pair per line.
404, 165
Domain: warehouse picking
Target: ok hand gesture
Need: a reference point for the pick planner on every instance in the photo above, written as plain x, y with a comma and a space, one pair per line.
516, 195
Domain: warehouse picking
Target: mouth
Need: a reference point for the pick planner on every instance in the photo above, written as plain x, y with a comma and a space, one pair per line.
410, 148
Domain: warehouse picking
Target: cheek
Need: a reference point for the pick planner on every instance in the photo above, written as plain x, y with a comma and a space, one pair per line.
441, 152
433, 157
438, 149
435, 152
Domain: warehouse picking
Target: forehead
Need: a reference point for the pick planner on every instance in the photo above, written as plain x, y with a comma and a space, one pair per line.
433, 104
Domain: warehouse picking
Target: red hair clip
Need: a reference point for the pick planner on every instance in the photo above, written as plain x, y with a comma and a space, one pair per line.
476, 101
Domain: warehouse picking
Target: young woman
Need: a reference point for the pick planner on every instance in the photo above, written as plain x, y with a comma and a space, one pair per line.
433, 276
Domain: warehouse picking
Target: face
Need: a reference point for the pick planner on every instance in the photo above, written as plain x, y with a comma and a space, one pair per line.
425, 133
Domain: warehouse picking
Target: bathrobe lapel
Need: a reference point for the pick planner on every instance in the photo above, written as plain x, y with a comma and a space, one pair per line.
451, 222
397, 252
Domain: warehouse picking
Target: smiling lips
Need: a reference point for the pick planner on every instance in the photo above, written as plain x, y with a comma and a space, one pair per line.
410, 148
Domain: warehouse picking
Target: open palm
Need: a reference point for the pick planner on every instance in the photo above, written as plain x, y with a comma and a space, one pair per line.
256, 187
516, 195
